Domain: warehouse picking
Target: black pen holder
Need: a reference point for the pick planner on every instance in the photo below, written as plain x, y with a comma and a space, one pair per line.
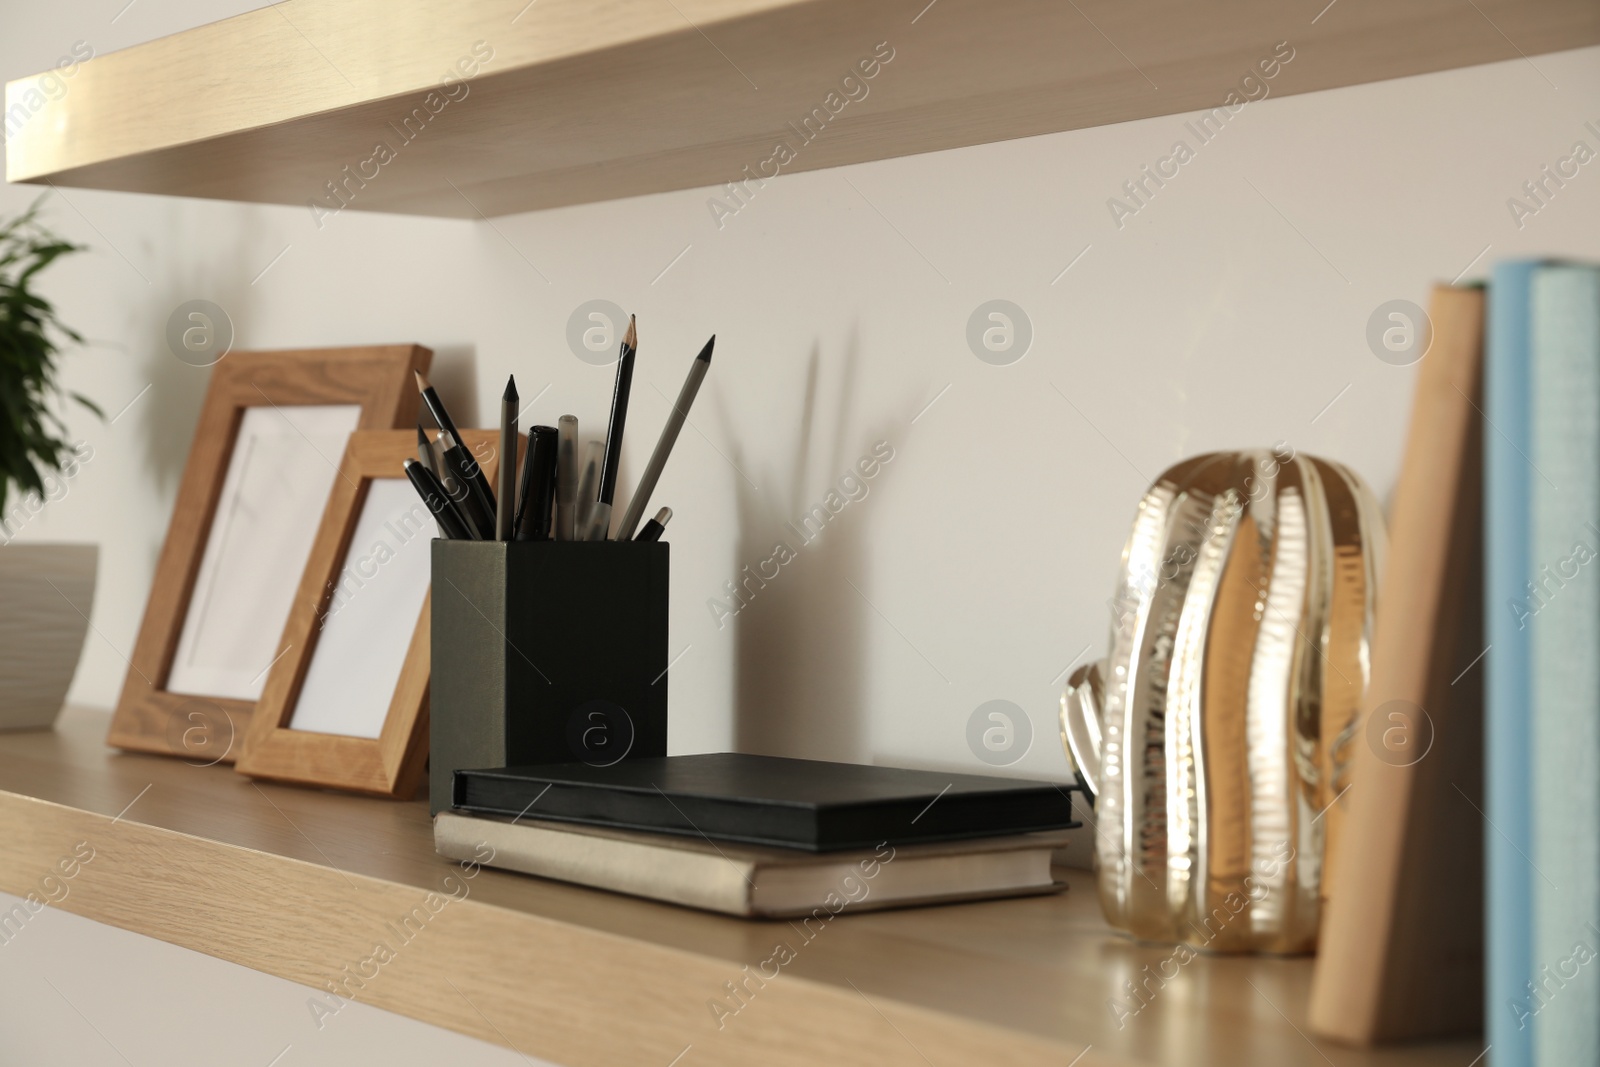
546, 652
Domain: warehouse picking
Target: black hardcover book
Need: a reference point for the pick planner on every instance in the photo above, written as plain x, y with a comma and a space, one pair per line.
769, 800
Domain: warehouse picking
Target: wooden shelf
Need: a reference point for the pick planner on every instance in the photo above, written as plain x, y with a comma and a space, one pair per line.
588, 100
301, 884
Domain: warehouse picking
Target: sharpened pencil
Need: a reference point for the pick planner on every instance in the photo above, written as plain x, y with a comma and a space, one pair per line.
669, 436
619, 415
505, 519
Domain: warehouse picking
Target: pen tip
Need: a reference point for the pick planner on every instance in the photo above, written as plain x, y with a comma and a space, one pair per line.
632, 338
422, 383
511, 388
705, 353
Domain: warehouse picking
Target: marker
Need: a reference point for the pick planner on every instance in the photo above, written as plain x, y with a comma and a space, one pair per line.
506, 498
619, 415
593, 452
433, 497
669, 437
567, 479
655, 527
538, 485
599, 522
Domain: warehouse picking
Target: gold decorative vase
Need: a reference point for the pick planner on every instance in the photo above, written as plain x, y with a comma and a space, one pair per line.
1216, 733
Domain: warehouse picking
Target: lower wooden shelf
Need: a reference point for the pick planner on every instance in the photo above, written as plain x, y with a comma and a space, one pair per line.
306, 884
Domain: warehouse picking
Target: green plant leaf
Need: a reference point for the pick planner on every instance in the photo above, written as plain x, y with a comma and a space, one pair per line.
32, 434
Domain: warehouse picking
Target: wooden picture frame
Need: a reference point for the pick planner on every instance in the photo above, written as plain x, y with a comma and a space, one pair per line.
392, 764
379, 380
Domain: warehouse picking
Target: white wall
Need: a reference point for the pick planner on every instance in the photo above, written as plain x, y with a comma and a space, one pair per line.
1228, 312
1231, 310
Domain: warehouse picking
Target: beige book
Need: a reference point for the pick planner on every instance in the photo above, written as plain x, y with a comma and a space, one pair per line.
750, 880
1401, 949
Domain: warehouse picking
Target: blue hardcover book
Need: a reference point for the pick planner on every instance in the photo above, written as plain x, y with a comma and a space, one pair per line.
1508, 476
1562, 612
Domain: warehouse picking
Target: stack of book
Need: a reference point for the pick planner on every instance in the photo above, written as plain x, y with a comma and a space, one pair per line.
1471, 895
762, 836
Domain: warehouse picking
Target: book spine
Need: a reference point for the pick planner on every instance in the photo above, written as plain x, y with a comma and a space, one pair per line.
1562, 612
1507, 477
1400, 950
666, 871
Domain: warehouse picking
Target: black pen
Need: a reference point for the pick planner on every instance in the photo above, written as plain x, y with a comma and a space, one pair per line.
434, 498
619, 416
538, 485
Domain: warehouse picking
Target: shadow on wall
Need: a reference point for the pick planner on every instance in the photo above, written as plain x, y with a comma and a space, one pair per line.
178, 383
454, 373
164, 419
799, 625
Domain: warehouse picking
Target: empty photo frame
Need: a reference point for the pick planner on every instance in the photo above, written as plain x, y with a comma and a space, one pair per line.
265, 456
346, 702
271, 501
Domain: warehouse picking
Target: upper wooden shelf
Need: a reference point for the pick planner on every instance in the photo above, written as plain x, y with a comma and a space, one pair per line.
302, 884
571, 101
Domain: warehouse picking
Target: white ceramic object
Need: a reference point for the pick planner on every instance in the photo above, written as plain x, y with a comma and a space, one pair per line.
46, 592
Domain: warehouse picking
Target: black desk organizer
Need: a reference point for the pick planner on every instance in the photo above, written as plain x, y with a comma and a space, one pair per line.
546, 652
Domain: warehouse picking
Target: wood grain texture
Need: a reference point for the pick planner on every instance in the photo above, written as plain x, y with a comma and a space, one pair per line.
1402, 938
378, 379
588, 100
392, 764
301, 883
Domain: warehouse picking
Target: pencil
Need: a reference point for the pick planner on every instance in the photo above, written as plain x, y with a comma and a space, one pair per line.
669, 436
451, 525
619, 415
475, 502
506, 498
454, 471
441, 417
425, 453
